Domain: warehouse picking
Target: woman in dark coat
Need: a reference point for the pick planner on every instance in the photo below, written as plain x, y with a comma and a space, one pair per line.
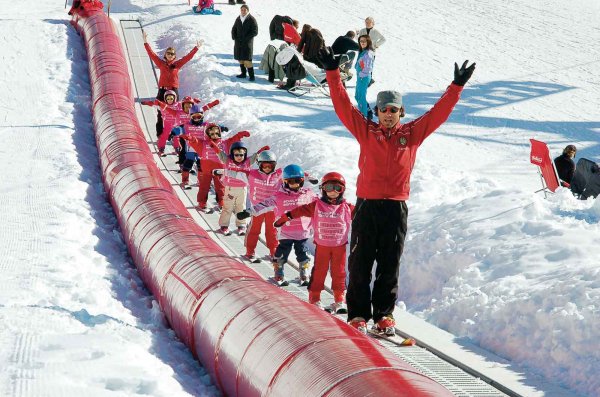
243, 32
565, 166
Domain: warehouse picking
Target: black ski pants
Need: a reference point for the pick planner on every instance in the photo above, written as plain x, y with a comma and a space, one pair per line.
378, 232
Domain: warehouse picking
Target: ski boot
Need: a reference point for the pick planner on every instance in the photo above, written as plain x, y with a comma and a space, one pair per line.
337, 308
278, 277
185, 180
225, 230
359, 323
241, 230
386, 325
281, 281
251, 258
304, 278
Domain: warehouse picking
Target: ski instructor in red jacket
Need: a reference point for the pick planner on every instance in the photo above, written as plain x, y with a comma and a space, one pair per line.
169, 67
388, 150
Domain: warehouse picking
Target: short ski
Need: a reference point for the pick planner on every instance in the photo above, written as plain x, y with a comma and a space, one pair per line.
397, 339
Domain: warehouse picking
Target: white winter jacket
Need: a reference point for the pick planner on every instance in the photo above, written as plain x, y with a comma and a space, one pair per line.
376, 37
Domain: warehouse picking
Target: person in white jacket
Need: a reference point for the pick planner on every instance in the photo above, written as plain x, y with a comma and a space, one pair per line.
376, 37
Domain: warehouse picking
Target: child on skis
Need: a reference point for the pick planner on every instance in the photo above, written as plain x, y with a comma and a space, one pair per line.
263, 183
209, 162
235, 179
190, 153
169, 118
290, 195
331, 216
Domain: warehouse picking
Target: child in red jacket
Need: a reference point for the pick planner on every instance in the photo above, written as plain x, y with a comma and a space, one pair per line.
331, 218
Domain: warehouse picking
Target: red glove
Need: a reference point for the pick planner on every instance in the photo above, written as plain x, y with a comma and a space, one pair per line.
210, 105
281, 221
243, 134
262, 149
196, 100
147, 103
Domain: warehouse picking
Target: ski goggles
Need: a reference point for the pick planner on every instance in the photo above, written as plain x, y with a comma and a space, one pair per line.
389, 109
330, 187
197, 116
267, 164
294, 181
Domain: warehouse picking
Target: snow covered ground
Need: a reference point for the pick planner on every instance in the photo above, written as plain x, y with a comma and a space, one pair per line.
486, 258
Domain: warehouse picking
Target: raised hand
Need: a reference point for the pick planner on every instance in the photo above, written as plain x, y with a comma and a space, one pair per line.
327, 59
462, 75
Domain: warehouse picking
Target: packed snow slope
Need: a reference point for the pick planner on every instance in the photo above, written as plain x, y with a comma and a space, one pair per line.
485, 258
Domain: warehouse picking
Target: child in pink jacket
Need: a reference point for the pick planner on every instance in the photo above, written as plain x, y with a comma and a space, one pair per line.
296, 233
263, 182
235, 179
331, 217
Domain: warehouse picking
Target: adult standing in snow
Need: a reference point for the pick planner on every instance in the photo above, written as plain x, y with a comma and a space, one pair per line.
565, 166
345, 43
375, 35
387, 156
169, 73
243, 32
364, 68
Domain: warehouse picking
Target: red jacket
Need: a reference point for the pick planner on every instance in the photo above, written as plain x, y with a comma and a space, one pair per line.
169, 71
290, 34
386, 156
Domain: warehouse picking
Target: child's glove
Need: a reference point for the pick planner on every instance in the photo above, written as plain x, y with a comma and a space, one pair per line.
210, 105
243, 215
244, 134
262, 149
281, 221
311, 179
223, 128
147, 103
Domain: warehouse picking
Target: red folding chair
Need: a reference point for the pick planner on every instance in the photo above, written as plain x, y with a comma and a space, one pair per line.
540, 156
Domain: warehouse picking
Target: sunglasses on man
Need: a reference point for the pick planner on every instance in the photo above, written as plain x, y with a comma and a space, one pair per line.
330, 187
392, 109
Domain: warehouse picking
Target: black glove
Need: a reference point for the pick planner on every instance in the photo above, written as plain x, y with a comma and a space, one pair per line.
313, 180
243, 215
327, 59
462, 75
224, 129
